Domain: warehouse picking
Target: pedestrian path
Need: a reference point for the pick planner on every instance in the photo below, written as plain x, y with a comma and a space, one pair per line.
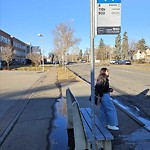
130, 136
42, 124
34, 125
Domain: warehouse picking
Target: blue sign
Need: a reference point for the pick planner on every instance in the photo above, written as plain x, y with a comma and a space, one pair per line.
108, 1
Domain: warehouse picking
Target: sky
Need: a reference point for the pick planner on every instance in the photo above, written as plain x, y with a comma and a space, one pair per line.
25, 19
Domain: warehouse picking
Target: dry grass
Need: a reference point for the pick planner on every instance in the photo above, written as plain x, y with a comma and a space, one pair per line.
28, 68
64, 75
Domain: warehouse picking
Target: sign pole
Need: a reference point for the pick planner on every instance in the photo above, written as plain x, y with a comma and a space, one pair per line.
92, 33
107, 21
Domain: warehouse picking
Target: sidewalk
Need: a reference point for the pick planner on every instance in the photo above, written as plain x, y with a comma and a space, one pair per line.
33, 127
131, 136
43, 123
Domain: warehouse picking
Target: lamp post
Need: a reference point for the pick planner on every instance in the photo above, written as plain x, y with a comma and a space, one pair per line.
42, 51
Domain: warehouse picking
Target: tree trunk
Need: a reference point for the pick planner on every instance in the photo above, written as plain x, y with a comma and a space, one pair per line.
8, 65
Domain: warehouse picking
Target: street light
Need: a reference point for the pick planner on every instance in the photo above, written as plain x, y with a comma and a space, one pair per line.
42, 51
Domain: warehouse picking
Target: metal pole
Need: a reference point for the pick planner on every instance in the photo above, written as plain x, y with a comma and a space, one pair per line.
42, 61
92, 11
42, 50
42, 54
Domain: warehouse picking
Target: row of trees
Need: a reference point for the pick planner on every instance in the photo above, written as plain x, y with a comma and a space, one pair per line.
65, 48
123, 49
7, 56
63, 41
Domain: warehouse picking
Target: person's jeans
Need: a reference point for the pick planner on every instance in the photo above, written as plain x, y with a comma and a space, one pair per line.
108, 111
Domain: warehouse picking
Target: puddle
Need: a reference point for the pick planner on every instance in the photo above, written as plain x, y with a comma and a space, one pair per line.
135, 139
60, 137
134, 111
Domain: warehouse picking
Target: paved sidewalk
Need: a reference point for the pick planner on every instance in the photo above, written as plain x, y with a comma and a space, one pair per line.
14, 84
42, 124
32, 130
131, 136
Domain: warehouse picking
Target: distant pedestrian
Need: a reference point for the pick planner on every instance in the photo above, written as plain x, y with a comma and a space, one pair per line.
107, 109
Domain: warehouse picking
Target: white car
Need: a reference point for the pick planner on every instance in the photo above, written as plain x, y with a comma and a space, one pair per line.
112, 61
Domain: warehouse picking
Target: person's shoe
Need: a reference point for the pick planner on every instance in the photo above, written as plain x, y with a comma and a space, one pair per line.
112, 127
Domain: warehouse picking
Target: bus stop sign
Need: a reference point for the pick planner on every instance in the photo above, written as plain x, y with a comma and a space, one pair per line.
108, 16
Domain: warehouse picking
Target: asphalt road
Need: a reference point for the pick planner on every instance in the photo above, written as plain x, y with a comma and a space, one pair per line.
131, 83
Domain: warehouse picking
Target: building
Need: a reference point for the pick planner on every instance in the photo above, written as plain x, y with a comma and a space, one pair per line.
142, 55
36, 49
20, 48
147, 55
5, 40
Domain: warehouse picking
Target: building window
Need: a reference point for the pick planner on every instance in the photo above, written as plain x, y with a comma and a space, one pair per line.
0, 38
1, 47
4, 39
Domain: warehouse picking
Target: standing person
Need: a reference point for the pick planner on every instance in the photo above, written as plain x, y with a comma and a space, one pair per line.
107, 109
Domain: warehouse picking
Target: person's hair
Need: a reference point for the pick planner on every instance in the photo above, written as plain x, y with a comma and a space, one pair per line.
103, 71
102, 76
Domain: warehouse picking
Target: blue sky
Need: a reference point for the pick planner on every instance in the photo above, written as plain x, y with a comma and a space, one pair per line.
25, 19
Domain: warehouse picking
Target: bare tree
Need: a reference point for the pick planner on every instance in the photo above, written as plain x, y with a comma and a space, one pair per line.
64, 39
7, 54
132, 48
74, 53
35, 58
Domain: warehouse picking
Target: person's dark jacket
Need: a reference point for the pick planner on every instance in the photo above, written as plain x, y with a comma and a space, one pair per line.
102, 85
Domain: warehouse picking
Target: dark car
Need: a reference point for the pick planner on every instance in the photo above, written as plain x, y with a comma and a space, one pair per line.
125, 62
118, 61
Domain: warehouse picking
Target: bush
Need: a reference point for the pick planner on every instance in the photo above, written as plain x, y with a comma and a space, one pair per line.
140, 61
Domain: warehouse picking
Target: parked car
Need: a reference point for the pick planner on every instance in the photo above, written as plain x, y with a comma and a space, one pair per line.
123, 62
118, 61
112, 61
126, 62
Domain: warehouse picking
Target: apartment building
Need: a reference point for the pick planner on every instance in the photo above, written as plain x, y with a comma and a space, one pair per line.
20, 50
19, 47
5, 40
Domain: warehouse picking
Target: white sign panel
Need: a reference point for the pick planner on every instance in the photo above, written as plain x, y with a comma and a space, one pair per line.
108, 16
